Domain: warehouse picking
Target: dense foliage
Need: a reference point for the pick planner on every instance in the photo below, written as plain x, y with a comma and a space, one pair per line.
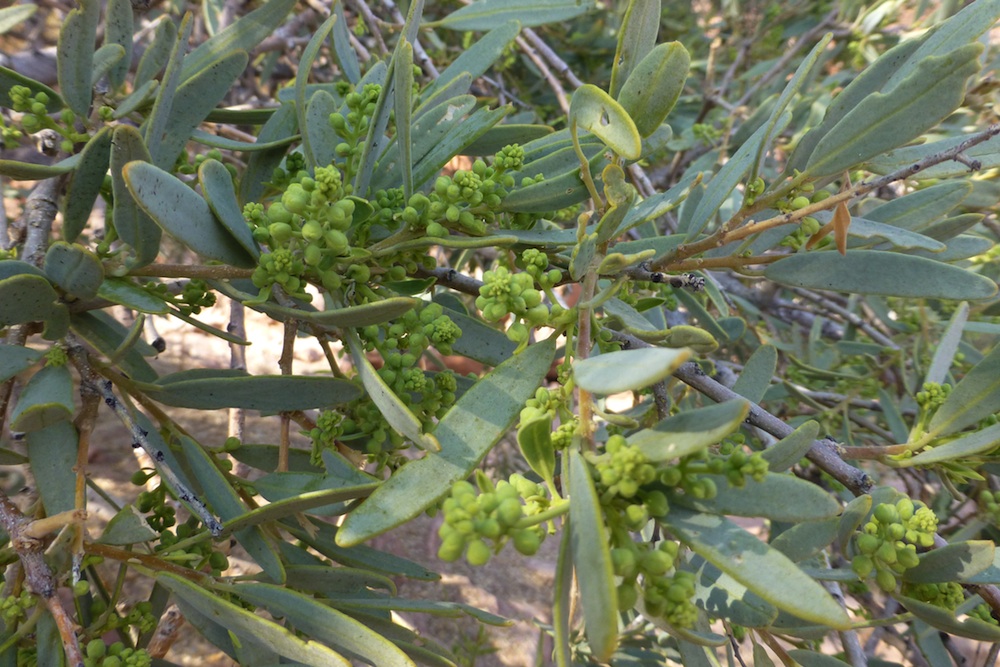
706, 262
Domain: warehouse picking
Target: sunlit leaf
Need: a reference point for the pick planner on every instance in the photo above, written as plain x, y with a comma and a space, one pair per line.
626, 370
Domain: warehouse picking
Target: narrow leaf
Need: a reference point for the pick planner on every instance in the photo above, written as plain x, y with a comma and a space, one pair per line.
589, 541
765, 571
320, 135
788, 451
210, 389
46, 400
947, 345
627, 370
87, 182
975, 397
776, 497
248, 626
487, 14
473, 425
14, 359
220, 193
968, 446
690, 431
757, 373
342, 47
75, 55
636, 38
132, 224
475, 60
942, 619
52, 453
878, 272
403, 102
119, 28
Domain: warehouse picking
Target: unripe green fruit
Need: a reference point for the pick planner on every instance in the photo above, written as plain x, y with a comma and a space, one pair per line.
527, 541
627, 596
81, 588
799, 202
623, 562
895, 531
886, 513
677, 593
636, 516
96, 649
656, 563
509, 511
218, 561
905, 508
868, 544
886, 553
885, 580
488, 528
862, 565
478, 553
451, 548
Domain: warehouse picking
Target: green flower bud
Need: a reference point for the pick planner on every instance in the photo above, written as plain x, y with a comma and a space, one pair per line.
862, 565
627, 595
799, 202
886, 513
478, 553
527, 541
868, 544
656, 563
885, 580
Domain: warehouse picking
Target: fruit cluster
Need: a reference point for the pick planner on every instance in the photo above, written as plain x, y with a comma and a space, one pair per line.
15, 607
188, 546
946, 595
665, 596
989, 503
99, 654
474, 518
887, 543
505, 293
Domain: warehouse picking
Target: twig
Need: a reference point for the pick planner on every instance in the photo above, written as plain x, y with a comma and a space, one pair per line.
546, 51
39, 211
140, 438
365, 12
852, 318
285, 364
547, 74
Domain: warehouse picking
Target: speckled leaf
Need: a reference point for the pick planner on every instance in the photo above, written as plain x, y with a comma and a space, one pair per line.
487, 14
156, 55
342, 48
14, 359
690, 431
220, 193
878, 272
86, 185
627, 370
30, 298
74, 269
653, 87
226, 503
129, 526
119, 28
403, 105
757, 373
592, 559
473, 425
765, 571
134, 227
393, 409
183, 214
788, 451
47, 399
192, 102
325, 624
75, 55
249, 627
52, 453
597, 112
958, 561
211, 389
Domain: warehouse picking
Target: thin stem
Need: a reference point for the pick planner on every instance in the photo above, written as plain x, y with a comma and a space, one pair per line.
201, 271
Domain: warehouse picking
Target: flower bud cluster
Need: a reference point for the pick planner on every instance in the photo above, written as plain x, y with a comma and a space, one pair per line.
947, 595
800, 198
536, 263
665, 596
984, 614
887, 544
476, 518
989, 503
505, 293
36, 117
932, 396
352, 127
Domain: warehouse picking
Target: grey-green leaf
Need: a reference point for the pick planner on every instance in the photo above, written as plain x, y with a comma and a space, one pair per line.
325, 624
177, 209
133, 225
52, 453
487, 14
690, 431
636, 38
757, 373
128, 526
211, 389
14, 359
886, 120
76, 270
776, 497
472, 426
958, 561
765, 571
87, 182
627, 370
75, 55
653, 87
220, 193
589, 541
878, 272
249, 627
46, 400
788, 451
975, 397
